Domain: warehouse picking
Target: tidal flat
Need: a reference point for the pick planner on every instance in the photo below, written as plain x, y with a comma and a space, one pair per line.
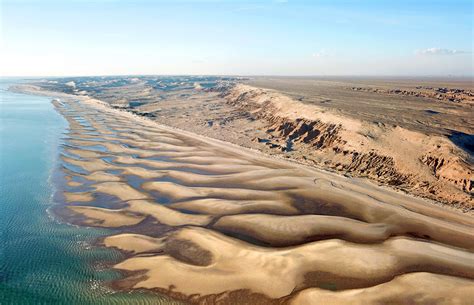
43, 260
203, 221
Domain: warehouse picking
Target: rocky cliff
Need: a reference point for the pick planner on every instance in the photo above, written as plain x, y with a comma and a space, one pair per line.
424, 165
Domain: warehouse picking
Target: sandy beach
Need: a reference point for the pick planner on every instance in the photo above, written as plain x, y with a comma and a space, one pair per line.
206, 221
244, 152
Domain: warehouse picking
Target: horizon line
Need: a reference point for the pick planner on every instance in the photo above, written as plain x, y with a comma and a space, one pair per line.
247, 75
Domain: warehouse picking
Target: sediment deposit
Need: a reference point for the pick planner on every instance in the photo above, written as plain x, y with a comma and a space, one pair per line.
208, 222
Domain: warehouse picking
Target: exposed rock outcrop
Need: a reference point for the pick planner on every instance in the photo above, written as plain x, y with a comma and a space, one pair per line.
424, 165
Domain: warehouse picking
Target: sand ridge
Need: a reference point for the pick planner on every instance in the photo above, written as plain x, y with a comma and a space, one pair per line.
216, 219
277, 273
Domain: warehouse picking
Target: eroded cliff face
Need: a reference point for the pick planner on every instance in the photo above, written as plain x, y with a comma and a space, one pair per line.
453, 170
424, 165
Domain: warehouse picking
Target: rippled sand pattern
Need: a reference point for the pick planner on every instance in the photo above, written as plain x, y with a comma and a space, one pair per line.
206, 222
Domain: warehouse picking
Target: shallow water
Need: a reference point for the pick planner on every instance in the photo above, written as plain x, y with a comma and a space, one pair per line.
43, 261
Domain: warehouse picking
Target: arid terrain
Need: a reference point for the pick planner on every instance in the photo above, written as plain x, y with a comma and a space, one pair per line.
209, 222
237, 152
412, 135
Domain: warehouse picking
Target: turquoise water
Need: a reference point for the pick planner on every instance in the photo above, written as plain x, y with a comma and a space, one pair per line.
43, 261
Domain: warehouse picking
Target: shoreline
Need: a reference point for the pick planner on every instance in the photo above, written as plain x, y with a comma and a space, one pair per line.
35, 245
207, 173
249, 151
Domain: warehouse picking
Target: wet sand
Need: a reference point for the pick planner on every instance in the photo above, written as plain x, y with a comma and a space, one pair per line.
209, 222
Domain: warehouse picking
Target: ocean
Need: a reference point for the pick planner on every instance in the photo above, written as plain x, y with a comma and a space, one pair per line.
42, 260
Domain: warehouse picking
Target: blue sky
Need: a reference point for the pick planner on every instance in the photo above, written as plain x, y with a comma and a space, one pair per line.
85, 37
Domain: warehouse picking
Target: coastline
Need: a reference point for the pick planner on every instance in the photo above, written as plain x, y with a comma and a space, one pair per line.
44, 260
249, 151
246, 173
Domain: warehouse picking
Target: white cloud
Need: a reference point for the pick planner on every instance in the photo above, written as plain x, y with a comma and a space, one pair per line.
321, 53
440, 51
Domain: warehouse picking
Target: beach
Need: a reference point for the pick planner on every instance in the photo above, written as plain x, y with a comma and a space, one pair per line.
412, 135
44, 260
206, 221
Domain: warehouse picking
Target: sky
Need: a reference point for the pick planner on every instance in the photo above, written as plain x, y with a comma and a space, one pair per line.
273, 37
